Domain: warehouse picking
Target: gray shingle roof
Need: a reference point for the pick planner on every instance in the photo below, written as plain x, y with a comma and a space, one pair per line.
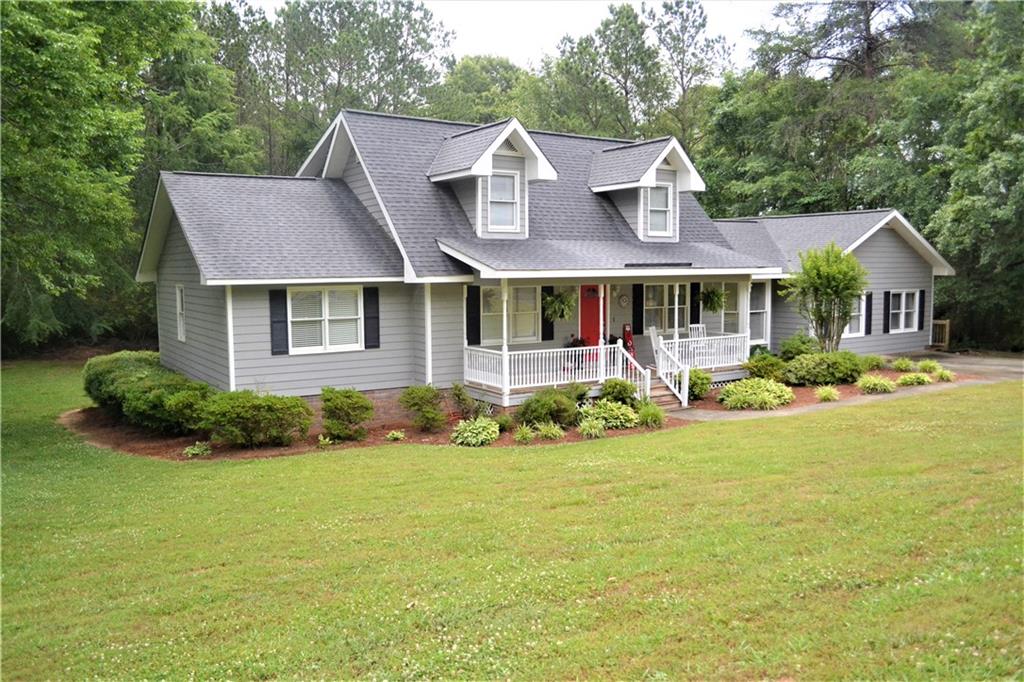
253, 227
624, 163
461, 150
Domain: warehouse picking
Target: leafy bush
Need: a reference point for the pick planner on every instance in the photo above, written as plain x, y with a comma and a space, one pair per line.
576, 392
619, 391
466, 405
524, 434
591, 428
344, 411
549, 431
903, 365
101, 372
872, 362
914, 379
323, 441
928, 366
547, 405
505, 422
765, 366
200, 449
827, 394
612, 415
425, 404
186, 407
755, 394
395, 435
475, 433
650, 416
945, 375
872, 383
247, 419
700, 383
799, 344
817, 369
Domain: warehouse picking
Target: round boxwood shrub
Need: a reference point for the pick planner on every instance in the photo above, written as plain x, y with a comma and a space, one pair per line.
344, 412
475, 433
799, 344
765, 366
247, 419
700, 383
872, 362
548, 405
425, 404
818, 369
914, 379
872, 383
619, 391
612, 415
755, 394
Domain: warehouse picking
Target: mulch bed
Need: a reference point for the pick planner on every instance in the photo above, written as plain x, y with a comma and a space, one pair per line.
102, 430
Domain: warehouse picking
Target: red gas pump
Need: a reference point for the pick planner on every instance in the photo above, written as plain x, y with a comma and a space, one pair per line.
627, 338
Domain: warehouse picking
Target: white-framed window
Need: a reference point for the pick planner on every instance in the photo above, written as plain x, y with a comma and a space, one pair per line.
902, 312
856, 326
179, 309
503, 199
659, 306
659, 211
759, 312
523, 315
731, 309
325, 319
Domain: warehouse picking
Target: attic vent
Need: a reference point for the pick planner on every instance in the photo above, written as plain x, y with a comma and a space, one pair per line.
508, 148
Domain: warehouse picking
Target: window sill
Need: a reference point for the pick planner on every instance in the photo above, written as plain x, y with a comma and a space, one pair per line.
905, 331
323, 351
852, 336
504, 229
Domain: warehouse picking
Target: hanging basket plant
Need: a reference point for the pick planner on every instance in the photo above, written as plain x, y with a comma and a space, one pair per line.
712, 300
560, 305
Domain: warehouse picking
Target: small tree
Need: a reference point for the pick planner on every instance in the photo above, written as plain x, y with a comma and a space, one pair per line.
824, 291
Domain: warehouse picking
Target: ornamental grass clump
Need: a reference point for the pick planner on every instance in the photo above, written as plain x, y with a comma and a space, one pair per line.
549, 431
945, 375
475, 433
904, 365
928, 366
650, 416
755, 394
591, 428
914, 379
826, 394
872, 383
524, 434
611, 414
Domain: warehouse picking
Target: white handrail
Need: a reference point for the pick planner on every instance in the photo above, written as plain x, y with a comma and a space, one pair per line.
710, 352
673, 373
633, 371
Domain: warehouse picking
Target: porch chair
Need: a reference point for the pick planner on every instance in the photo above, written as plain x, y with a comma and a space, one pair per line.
703, 352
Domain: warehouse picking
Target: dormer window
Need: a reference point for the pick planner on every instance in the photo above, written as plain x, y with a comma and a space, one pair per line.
660, 211
503, 193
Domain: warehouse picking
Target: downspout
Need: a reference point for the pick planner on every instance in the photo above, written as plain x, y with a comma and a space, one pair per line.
231, 336
428, 353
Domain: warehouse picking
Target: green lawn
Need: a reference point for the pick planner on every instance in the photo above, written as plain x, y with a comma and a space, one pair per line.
873, 541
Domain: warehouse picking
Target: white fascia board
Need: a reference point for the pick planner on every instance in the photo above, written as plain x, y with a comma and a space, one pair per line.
453, 175
300, 280
781, 275
440, 279
328, 134
940, 266
623, 185
673, 148
148, 274
537, 165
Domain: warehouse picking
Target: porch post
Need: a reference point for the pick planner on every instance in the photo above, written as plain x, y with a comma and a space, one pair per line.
675, 321
601, 354
506, 379
743, 307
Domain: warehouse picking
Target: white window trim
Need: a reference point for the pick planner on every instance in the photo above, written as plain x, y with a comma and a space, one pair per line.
767, 310
721, 314
514, 227
669, 211
670, 304
326, 347
902, 293
179, 310
863, 304
512, 340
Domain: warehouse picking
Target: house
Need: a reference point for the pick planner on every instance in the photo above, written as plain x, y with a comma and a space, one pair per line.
409, 250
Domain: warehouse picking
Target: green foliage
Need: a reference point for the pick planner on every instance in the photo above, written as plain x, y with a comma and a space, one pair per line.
466, 405
712, 299
101, 372
505, 422
548, 431
201, 448
872, 383
345, 410
755, 394
914, 379
817, 369
650, 416
591, 428
613, 415
247, 419
186, 407
825, 289
560, 305
700, 383
798, 344
826, 394
619, 391
576, 392
547, 405
872, 362
904, 365
477, 88
928, 366
524, 434
425, 404
395, 436
323, 441
474, 433
765, 366
945, 375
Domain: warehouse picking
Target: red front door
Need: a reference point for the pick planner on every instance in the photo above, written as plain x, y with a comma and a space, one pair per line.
590, 314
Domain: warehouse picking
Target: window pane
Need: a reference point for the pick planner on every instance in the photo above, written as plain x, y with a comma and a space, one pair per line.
307, 334
757, 325
731, 295
491, 299
894, 320
684, 314
654, 316
731, 323
908, 319
896, 302
524, 299
757, 296
856, 306
503, 188
307, 304
524, 325
909, 301
490, 327
659, 197
854, 326
659, 221
654, 296
503, 214
343, 332
343, 303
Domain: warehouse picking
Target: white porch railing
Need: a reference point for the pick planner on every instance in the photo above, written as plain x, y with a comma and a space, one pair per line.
710, 352
672, 373
553, 367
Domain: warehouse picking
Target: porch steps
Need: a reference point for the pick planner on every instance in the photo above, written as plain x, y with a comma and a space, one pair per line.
662, 395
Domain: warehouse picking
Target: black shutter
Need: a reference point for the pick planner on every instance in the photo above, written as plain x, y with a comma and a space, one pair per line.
278, 321
371, 317
547, 327
920, 310
867, 314
695, 302
473, 316
638, 309
885, 312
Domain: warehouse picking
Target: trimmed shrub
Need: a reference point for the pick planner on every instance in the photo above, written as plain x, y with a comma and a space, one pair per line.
945, 375
755, 394
549, 431
928, 366
872, 362
466, 405
100, 373
904, 365
548, 405
247, 419
186, 407
591, 428
576, 392
612, 415
344, 411
827, 394
700, 383
524, 434
475, 433
818, 369
505, 422
200, 449
650, 416
799, 344
914, 379
872, 383
424, 402
765, 366
395, 436
619, 391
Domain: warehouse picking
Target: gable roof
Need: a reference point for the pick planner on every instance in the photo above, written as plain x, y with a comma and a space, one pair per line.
461, 150
270, 229
625, 163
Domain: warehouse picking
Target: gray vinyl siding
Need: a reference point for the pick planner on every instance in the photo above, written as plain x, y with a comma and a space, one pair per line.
204, 353
417, 329
502, 162
465, 192
626, 201
892, 265
390, 366
355, 177
447, 333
